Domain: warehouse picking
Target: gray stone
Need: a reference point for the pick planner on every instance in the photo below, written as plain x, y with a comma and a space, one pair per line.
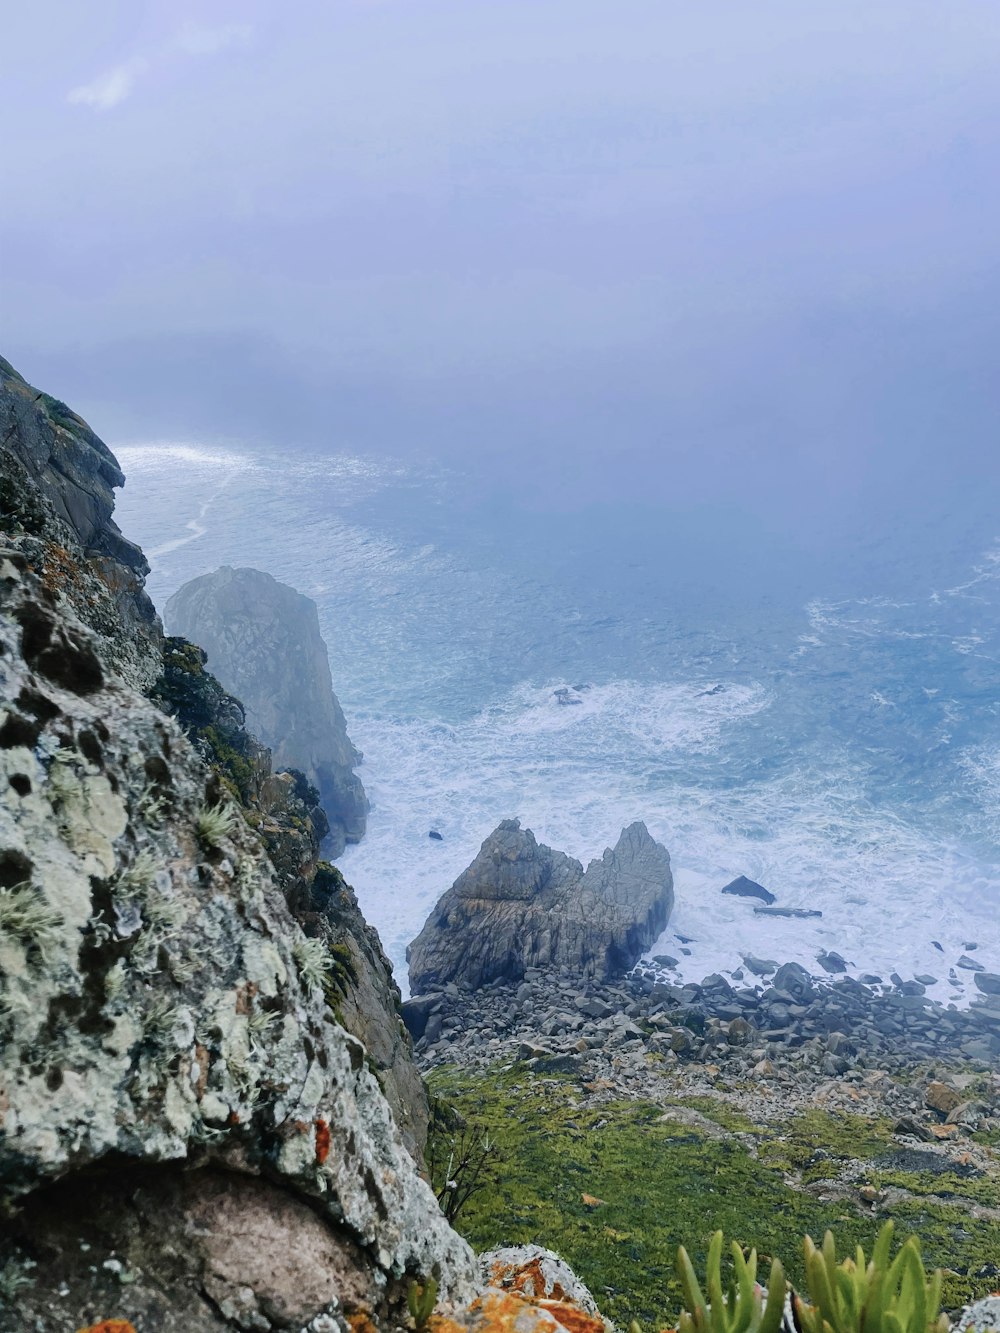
264, 644
197, 1058
831, 962
741, 887
970, 964
989, 982
521, 905
795, 980
760, 967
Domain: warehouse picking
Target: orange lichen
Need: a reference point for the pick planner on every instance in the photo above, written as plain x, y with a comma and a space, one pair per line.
526, 1279
109, 1326
360, 1322
322, 1141
572, 1317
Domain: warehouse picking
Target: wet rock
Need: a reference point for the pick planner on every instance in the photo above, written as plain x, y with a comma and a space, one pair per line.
831, 962
795, 980
760, 967
801, 913
741, 887
970, 964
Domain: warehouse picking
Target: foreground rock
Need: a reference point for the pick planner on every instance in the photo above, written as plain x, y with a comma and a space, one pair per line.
189, 1139
521, 905
264, 644
285, 812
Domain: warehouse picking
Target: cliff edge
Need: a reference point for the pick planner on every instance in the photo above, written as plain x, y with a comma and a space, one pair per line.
189, 1136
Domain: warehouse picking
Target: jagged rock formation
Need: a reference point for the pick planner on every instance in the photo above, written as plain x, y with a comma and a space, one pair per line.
176, 1092
56, 488
522, 905
264, 644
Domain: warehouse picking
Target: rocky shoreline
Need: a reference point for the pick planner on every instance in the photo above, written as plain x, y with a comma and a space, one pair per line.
641, 1026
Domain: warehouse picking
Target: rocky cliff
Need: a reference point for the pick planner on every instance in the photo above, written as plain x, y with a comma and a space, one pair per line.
284, 810
522, 905
57, 483
189, 1136
264, 644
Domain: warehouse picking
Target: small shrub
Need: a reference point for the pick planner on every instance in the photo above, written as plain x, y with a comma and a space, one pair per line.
214, 823
140, 875
461, 1159
313, 961
28, 918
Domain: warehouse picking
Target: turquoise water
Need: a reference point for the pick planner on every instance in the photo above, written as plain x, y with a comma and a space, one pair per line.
818, 712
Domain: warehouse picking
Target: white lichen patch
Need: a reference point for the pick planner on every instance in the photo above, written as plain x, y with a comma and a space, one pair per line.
165, 999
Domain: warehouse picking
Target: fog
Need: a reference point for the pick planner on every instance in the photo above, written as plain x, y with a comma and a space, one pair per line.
724, 258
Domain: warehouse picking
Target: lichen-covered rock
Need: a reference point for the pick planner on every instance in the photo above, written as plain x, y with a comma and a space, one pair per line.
980, 1317
174, 1085
508, 1312
540, 1275
264, 644
521, 904
284, 809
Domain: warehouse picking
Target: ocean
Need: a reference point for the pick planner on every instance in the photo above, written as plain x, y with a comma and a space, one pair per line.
829, 728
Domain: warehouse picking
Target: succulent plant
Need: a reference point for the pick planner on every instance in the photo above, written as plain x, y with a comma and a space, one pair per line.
421, 1300
853, 1296
742, 1307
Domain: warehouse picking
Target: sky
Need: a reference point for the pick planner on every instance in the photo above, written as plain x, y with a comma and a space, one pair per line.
709, 254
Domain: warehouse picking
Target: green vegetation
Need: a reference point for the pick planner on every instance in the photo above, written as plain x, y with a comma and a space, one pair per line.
877, 1297
214, 823
420, 1301
616, 1188
743, 1309
235, 770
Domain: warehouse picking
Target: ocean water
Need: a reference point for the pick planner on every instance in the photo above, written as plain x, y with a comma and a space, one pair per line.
833, 733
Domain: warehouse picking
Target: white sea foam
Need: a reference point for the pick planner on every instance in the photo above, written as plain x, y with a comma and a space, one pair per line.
792, 781
576, 775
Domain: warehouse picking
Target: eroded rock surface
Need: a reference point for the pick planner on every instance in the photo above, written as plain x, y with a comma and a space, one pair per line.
522, 905
57, 482
174, 1081
264, 644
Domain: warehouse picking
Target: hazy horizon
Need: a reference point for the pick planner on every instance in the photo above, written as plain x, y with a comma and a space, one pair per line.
714, 260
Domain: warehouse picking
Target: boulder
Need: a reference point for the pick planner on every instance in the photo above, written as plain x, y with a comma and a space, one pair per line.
264, 644
521, 905
941, 1097
795, 981
831, 962
742, 887
760, 967
988, 982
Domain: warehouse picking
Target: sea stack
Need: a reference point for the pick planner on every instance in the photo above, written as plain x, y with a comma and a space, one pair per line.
264, 644
522, 905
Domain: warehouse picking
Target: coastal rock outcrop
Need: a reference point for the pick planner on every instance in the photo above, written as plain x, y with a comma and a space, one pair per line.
522, 905
189, 1136
264, 644
57, 482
